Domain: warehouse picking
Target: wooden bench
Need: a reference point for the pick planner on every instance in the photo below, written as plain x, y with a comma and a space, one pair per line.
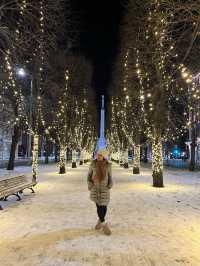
14, 185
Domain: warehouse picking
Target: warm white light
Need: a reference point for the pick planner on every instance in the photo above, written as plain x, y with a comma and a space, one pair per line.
136, 161
185, 74
189, 80
142, 97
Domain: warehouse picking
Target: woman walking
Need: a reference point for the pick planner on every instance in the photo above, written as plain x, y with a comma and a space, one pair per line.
99, 183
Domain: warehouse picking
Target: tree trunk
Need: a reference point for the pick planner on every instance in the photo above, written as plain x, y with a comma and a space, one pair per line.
47, 151
125, 159
145, 154
116, 158
136, 161
15, 140
120, 158
56, 153
46, 160
35, 157
82, 157
157, 160
193, 150
62, 169
74, 159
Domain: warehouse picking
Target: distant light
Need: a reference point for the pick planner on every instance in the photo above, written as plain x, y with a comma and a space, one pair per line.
189, 80
142, 97
21, 72
185, 74
176, 152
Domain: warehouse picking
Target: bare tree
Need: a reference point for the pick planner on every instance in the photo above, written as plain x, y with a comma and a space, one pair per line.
161, 36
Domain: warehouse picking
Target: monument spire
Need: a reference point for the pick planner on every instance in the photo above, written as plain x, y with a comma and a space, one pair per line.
102, 101
102, 141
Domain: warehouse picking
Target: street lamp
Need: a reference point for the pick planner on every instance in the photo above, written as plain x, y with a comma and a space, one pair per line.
23, 74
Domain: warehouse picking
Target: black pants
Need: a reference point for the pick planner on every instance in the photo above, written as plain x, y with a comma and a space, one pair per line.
101, 211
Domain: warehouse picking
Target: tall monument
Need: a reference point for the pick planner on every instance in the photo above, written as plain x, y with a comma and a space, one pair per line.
102, 141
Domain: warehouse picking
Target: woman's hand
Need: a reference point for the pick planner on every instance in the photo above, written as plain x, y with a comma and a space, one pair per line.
94, 179
90, 185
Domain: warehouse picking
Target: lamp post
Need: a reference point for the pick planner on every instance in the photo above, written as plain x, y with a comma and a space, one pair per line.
22, 73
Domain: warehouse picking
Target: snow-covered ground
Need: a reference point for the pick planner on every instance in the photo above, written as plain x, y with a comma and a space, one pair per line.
151, 227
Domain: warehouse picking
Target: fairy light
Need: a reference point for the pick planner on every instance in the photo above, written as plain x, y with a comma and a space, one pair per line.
35, 157
163, 47
23, 6
62, 159
157, 157
77, 132
20, 115
136, 160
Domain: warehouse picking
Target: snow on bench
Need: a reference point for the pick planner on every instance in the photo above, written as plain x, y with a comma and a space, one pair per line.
14, 184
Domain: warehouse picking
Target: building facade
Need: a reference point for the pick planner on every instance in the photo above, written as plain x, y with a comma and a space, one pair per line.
5, 141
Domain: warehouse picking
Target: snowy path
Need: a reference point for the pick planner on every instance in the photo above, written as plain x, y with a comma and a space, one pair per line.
151, 227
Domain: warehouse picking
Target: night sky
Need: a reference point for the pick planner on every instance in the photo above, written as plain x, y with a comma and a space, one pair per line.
99, 37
